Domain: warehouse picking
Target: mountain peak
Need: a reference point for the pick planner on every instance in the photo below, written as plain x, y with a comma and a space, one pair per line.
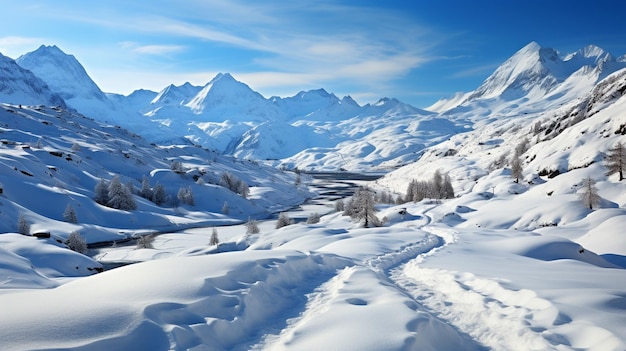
592, 51
22, 86
226, 77
224, 95
533, 46
62, 72
49, 49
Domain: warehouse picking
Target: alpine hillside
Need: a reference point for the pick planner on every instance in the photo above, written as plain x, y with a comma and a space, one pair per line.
179, 220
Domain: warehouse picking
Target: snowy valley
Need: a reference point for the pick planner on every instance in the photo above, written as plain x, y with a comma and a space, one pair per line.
520, 258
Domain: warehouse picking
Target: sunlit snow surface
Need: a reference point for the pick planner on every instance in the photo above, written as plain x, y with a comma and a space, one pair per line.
504, 265
412, 284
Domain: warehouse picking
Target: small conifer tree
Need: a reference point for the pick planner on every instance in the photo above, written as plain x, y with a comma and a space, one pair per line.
214, 238
69, 215
252, 227
23, 227
101, 192
159, 195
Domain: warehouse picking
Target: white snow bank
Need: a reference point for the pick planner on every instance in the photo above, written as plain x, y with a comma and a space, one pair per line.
221, 300
28, 262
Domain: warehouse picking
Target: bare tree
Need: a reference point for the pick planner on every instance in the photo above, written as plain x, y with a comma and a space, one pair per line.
516, 168
589, 195
339, 205
363, 209
437, 185
616, 160
230, 181
76, 242
521, 147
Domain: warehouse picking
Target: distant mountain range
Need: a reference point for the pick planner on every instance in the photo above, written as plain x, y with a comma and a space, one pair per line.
313, 129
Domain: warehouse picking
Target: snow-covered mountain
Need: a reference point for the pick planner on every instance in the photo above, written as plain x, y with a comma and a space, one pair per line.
317, 105
21, 86
536, 78
223, 98
67, 77
315, 130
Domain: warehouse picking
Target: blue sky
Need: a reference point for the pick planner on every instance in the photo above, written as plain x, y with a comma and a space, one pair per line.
417, 51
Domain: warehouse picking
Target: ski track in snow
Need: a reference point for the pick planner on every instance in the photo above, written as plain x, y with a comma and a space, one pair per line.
497, 317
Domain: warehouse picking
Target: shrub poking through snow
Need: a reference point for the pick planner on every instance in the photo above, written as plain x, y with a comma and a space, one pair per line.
252, 227
313, 218
283, 220
76, 242
185, 195
145, 242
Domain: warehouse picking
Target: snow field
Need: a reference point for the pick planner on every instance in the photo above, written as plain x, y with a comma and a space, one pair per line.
221, 301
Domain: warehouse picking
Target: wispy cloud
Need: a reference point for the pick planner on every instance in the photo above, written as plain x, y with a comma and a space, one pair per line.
276, 47
475, 71
154, 49
14, 46
351, 41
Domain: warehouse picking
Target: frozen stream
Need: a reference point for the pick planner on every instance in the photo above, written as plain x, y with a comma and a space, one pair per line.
330, 187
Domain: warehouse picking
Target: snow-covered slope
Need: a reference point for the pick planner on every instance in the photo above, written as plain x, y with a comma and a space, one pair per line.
558, 149
57, 156
21, 86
